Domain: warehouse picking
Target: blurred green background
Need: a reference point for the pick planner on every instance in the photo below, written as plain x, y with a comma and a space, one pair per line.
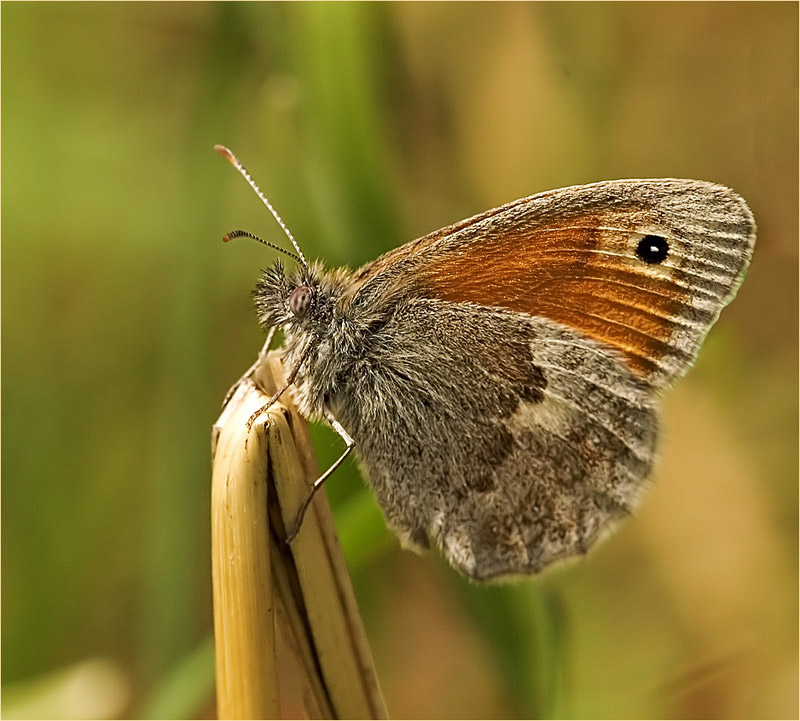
125, 319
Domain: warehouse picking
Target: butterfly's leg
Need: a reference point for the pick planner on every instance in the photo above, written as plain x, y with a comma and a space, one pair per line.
252, 369
289, 380
324, 477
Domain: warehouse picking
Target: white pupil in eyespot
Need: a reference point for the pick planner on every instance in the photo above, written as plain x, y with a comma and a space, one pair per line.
299, 300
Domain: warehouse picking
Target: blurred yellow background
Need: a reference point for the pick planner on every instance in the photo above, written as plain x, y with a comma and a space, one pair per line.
125, 319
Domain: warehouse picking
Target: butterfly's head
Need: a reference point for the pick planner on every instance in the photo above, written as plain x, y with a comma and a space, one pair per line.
301, 300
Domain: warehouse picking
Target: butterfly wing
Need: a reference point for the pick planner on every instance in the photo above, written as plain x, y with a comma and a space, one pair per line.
507, 409
508, 441
643, 266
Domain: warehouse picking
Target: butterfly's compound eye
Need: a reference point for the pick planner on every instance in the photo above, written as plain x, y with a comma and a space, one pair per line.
300, 300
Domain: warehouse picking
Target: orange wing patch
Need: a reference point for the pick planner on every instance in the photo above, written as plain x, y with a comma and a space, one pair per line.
585, 276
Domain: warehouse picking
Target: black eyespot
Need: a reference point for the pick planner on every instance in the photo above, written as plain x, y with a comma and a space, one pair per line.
300, 300
652, 249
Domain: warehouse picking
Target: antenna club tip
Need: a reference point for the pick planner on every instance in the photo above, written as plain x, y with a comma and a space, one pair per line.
230, 235
225, 153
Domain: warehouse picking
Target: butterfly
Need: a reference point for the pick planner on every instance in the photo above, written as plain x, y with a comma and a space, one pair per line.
500, 378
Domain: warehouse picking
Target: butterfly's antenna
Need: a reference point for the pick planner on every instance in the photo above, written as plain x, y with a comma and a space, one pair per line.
222, 150
245, 234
